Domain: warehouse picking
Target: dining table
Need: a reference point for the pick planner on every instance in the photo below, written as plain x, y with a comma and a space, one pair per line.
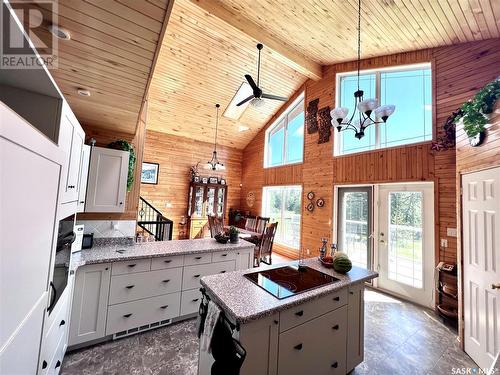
248, 235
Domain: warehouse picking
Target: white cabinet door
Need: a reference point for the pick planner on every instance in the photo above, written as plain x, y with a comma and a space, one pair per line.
83, 177
71, 139
107, 183
90, 303
244, 259
355, 326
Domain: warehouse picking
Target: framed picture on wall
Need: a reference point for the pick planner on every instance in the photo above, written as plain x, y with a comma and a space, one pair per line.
149, 173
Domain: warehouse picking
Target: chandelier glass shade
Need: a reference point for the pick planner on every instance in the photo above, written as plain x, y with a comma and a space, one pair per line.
368, 110
214, 164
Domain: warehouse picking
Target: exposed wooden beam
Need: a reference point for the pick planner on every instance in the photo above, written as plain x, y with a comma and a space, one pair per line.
280, 50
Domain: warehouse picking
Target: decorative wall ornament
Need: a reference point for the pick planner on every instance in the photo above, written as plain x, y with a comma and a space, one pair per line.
311, 116
310, 207
320, 202
250, 199
310, 195
325, 124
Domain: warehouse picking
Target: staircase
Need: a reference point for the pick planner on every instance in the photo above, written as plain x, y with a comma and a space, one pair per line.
150, 220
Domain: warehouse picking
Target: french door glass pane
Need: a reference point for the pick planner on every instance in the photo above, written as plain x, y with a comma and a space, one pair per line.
350, 144
405, 238
276, 146
355, 224
210, 201
220, 201
198, 201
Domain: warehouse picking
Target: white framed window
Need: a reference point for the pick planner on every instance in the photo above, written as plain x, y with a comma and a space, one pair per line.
283, 204
284, 142
408, 87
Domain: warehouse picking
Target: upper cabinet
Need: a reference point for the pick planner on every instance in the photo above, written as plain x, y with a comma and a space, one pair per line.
107, 182
83, 177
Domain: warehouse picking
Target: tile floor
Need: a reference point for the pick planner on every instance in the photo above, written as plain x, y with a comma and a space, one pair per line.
400, 338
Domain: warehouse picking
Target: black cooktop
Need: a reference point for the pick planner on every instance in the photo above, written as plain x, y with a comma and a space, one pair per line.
288, 281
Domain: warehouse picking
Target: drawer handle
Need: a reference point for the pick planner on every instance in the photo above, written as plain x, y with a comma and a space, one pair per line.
197, 258
62, 323
195, 300
223, 255
58, 364
44, 365
129, 286
132, 265
351, 293
163, 307
222, 272
276, 321
335, 365
299, 313
336, 327
165, 281
298, 347
127, 315
168, 260
196, 276
336, 298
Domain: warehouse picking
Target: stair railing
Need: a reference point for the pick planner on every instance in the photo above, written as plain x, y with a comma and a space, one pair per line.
153, 222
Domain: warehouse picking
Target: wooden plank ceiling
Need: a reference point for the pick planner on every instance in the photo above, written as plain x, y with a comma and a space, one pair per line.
202, 62
325, 30
110, 53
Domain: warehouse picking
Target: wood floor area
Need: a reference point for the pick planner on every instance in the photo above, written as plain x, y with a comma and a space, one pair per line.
400, 338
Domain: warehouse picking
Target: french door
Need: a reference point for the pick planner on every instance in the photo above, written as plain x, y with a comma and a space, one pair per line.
354, 232
405, 243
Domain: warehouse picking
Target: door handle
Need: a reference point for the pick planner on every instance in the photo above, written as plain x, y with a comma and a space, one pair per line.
495, 286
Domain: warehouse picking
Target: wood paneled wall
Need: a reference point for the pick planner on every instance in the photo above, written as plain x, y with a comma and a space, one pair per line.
176, 155
320, 171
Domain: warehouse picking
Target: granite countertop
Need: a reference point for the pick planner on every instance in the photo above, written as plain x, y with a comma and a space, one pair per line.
244, 301
108, 252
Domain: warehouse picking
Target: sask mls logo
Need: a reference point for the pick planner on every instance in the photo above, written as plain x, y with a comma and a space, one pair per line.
37, 17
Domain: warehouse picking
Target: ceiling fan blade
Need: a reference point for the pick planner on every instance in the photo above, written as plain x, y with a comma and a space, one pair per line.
274, 97
251, 82
245, 100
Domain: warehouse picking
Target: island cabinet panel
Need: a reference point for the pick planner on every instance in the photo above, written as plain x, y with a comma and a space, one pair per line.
318, 346
355, 326
193, 274
244, 260
90, 303
190, 301
167, 262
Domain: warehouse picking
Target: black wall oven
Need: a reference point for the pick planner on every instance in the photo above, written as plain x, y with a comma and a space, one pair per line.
65, 237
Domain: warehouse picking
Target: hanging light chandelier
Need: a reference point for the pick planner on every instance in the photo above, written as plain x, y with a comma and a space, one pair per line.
214, 163
366, 107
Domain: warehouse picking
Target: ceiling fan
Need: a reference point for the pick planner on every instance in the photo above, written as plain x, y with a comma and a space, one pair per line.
258, 95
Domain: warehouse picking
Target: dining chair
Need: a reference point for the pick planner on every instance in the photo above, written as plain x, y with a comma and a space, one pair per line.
250, 223
261, 224
265, 247
215, 225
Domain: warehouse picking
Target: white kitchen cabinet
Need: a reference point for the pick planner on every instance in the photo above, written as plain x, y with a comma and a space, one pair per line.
71, 139
244, 259
90, 303
107, 182
355, 326
83, 177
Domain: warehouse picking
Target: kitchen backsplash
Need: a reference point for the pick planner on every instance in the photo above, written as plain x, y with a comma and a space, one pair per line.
109, 228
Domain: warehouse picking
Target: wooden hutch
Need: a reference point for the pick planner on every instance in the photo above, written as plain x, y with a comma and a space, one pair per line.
205, 199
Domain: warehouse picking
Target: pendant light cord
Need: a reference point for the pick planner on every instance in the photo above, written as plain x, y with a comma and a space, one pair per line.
359, 37
216, 126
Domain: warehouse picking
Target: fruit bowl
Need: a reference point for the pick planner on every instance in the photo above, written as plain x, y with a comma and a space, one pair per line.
220, 238
326, 264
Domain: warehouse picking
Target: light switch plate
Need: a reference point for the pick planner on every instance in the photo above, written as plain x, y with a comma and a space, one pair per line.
451, 232
444, 242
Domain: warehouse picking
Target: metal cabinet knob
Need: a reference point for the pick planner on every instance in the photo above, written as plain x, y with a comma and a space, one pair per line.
196, 276
336, 327
495, 286
299, 313
165, 281
336, 298
335, 364
127, 315
129, 286
62, 323
44, 365
298, 347
58, 364
132, 265
163, 307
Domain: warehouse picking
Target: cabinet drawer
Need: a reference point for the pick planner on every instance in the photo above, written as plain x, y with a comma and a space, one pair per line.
134, 314
193, 274
318, 344
131, 266
55, 364
125, 288
190, 301
221, 256
201, 258
302, 313
167, 262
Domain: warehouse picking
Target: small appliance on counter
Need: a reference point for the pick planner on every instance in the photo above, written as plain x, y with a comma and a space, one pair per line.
78, 242
87, 240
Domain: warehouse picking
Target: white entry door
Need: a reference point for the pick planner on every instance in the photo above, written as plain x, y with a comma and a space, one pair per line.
481, 249
406, 241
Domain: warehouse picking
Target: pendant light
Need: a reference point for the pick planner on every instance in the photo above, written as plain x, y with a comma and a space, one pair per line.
366, 107
214, 164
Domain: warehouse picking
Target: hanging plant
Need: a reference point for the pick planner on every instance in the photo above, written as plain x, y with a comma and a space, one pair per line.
475, 110
125, 146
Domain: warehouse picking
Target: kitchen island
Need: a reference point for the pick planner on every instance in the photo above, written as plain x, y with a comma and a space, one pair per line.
124, 288
317, 331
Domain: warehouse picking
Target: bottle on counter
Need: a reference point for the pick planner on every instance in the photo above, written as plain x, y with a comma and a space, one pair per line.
322, 250
333, 249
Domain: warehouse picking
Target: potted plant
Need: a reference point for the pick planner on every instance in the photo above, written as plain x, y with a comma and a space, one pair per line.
234, 234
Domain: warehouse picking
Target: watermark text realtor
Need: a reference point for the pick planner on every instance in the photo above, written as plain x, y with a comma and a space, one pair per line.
36, 17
